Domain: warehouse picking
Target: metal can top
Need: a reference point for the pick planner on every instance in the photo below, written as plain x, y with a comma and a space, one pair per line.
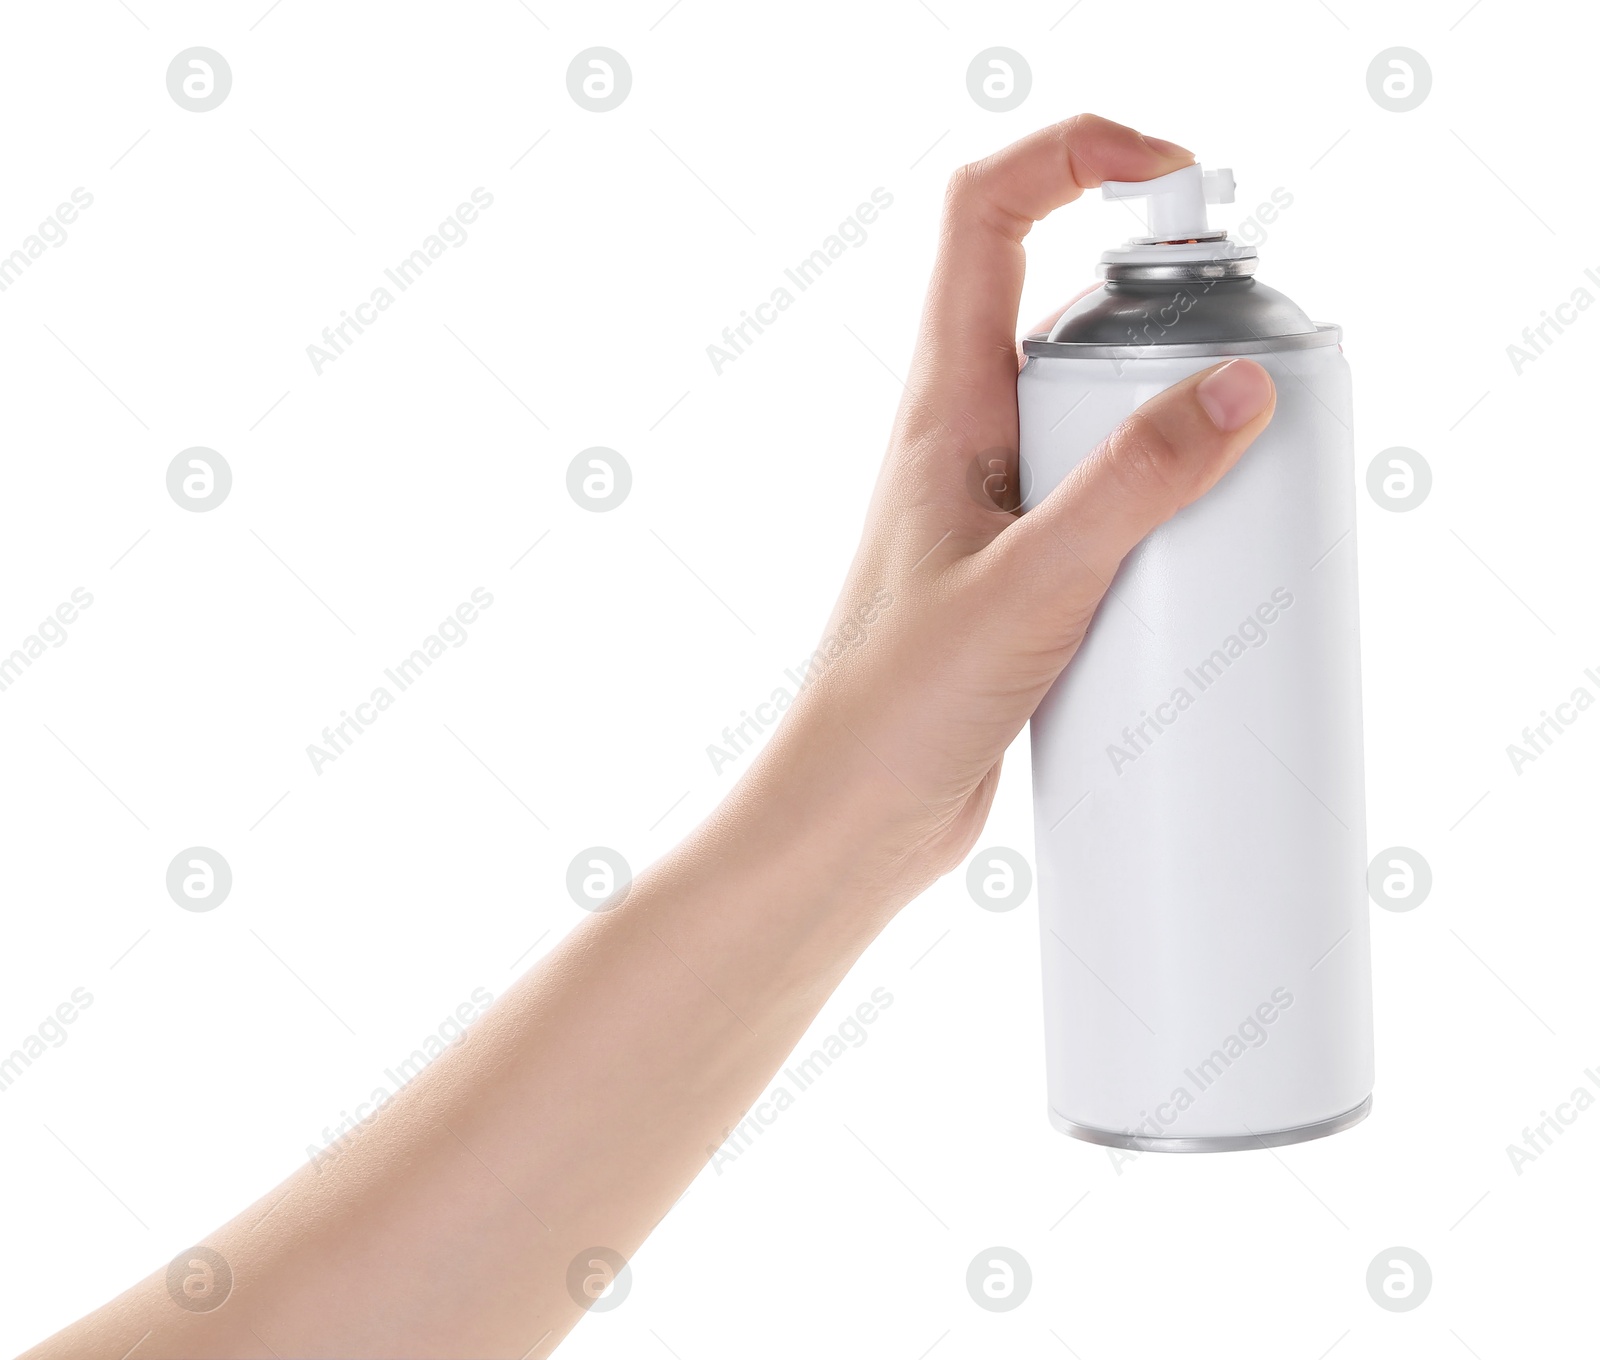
1193, 315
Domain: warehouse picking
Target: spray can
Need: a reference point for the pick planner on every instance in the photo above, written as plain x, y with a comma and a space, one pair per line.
1198, 788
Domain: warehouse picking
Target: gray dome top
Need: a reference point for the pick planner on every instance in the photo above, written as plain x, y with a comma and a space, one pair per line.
1198, 311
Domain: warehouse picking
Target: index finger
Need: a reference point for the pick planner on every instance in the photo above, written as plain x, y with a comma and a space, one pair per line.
965, 368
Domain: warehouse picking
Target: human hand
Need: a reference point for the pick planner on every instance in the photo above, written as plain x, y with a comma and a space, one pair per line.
961, 614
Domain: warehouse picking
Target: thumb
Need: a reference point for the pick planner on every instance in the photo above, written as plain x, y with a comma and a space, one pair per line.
1057, 560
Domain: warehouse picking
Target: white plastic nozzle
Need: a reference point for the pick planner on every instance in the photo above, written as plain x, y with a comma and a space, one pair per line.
1175, 204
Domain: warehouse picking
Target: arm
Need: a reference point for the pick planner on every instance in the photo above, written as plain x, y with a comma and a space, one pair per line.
583, 1104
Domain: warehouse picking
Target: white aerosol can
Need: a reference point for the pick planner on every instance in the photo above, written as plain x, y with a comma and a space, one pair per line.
1197, 769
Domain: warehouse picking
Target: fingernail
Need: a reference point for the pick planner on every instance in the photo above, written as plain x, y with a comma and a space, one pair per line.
1165, 148
1235, 394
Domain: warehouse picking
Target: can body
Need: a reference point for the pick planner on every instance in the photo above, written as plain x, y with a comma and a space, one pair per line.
1198, 781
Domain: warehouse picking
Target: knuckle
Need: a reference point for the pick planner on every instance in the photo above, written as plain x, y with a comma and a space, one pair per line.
975, 201
965, 185
1083, 122
1068, 134
1069, 128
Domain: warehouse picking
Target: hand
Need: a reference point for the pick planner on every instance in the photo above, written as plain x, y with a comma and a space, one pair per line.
957, 616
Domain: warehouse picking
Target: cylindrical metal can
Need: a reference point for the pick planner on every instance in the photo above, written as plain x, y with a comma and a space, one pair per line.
1199, 799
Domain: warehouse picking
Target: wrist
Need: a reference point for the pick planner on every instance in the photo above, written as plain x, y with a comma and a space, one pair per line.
776, 894
820, 800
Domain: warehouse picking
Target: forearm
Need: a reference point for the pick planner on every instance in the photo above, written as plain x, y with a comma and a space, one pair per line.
578, 1108
586, 1100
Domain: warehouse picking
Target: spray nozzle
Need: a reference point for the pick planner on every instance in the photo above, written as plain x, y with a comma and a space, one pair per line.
1176, 203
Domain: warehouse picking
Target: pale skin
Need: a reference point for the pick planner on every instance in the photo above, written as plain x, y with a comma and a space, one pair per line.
581, 1106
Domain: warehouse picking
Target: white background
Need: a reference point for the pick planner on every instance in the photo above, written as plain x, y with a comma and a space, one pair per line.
370, 500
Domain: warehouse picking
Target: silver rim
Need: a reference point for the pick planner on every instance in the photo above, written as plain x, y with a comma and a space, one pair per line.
1231, 1142
1178, 271
1038, 347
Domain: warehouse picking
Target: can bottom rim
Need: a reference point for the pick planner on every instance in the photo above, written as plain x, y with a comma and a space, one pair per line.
1227, 1142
